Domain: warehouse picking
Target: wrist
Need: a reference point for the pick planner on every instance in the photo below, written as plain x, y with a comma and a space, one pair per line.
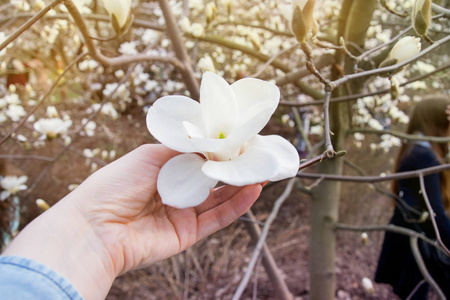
62, 239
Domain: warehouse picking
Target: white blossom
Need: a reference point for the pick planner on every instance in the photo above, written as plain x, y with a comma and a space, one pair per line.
11, 185
224, 128
52, 127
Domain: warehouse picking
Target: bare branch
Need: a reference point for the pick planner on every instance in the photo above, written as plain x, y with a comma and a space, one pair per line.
411, 137
29, 23
441, 10
44, 98
362, 95
423, 269
113, 61
26, 157
180, 50
393, 68
431, 213
390, 228
396, 176
276, 207
267, 259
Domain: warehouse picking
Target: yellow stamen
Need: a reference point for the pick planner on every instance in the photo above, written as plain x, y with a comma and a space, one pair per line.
221, 135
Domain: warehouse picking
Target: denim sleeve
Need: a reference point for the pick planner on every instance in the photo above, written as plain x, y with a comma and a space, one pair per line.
23, 278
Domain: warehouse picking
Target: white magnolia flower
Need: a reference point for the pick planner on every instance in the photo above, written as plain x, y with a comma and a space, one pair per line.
219, 137
11, 185
52, 127
119, 9
404, 49
15, 112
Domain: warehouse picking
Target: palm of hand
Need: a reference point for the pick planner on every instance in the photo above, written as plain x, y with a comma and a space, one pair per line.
132, 223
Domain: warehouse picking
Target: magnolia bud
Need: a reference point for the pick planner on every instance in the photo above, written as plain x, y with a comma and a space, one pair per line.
43, 206
365, 238
421, 17
394, 91
119, 11
368, 285
302, 19
210, 12
404, 49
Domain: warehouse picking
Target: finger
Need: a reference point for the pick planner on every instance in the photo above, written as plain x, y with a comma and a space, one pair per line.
155, 154
223, 215
218, 196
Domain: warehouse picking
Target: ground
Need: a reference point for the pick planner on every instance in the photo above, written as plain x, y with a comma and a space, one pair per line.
213, 268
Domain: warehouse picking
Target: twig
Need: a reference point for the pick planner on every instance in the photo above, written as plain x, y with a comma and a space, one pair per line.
243, 284
90, 17
396, 176
326, 120
441, 10
26, 157
268, 261
42, 100
113, 61
411, 137
415, 289
431, 213
423, 269
76, 134
269, 62
180, 50
29, 23
356, 96
393, 68
390, 228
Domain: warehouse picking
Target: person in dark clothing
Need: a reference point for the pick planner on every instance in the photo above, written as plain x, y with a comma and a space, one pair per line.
397, 265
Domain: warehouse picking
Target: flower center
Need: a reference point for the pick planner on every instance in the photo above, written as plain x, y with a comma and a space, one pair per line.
221, 135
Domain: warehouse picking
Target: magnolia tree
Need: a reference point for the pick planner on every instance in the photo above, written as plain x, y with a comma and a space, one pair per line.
340, 67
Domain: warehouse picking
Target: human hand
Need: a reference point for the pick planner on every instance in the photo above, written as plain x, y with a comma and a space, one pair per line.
115, 222
123, 207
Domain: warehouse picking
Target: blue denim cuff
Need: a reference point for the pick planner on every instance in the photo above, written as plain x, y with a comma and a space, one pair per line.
23, 278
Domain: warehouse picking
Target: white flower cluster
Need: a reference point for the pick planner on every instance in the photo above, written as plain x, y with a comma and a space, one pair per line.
11, 185
11, 107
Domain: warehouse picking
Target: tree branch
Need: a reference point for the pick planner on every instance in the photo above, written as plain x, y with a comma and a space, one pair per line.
267, 259
371, 179
423, 269
42, 100
276, 207
431, 213
113, 61
390, 69
29, 23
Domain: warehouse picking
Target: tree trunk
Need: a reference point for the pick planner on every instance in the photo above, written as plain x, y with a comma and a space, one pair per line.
354, 20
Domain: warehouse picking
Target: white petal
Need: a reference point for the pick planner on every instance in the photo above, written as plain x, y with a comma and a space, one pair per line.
181, 183
218, 105
4, 195
266, 158
255, 121
253, 166
165, 121
256, 101
283, 150
251, 92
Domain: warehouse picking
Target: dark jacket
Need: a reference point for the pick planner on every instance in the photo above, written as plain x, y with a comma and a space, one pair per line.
396, 265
